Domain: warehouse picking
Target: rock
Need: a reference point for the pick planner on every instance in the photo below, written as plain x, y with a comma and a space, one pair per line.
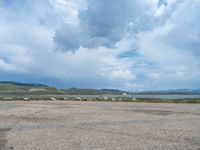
26, 99
78, 98
7, 98
124, 94
105, 98
53, 99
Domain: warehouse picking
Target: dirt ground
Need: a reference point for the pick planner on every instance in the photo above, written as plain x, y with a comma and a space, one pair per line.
72, 125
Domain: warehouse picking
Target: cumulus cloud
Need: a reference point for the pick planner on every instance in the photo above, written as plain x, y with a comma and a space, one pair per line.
7, 67
130, 44
174, 46
103, 23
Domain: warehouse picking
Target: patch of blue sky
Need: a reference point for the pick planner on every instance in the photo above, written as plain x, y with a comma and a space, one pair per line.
162, 2
129, 54
141, 78
12, 4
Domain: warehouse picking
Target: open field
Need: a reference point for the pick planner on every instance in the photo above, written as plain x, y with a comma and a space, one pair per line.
60, 125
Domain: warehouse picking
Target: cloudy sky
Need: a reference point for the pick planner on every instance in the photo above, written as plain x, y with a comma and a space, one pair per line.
121, 44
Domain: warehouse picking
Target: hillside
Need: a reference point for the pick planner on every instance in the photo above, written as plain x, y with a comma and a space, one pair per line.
24, 84
78, 91
176, 91
9, 87
18, 88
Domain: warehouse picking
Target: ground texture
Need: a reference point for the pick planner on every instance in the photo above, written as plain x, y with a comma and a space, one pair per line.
59, 125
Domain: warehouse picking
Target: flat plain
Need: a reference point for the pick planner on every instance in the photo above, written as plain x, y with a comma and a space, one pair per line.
75, 125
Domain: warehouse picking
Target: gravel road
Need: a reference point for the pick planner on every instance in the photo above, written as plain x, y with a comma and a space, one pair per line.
73, 125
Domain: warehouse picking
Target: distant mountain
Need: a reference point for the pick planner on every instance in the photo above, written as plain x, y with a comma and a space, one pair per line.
175, 91
115, 91
23, 84
10, 87
78, 91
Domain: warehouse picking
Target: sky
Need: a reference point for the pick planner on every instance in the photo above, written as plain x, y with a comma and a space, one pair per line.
130, 45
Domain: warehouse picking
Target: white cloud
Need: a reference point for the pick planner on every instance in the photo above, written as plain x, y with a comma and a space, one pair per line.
10, 68
134, 45
99, 25
174, 46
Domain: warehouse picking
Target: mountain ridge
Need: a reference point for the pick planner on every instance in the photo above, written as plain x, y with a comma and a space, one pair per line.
38, 88
24, 84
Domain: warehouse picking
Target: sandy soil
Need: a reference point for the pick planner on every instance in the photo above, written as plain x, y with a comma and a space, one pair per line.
59, 125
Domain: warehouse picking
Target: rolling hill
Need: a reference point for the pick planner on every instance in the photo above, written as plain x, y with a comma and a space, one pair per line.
18, 88
78, 91
9, 87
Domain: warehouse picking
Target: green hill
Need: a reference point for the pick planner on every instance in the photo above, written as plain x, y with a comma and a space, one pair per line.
17, 88
7, 87
78, 91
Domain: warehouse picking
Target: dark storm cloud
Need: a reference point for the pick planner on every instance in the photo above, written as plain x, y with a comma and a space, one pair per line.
103, 23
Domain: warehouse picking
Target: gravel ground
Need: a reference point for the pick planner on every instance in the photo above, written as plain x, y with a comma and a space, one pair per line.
70, 125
